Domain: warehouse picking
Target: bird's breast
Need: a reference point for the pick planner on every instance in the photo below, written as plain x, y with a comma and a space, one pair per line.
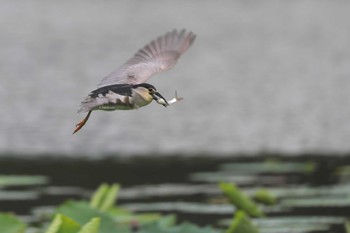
117, 104
113, 101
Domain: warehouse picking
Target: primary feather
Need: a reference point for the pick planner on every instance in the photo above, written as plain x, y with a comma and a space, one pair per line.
159, 55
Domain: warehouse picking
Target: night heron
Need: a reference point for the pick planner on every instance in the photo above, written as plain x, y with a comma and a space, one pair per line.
125, 88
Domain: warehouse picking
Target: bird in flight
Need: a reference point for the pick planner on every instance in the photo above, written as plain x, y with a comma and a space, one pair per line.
126, 88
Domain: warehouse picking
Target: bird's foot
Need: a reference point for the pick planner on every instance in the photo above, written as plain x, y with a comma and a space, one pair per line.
79, 126
81, 123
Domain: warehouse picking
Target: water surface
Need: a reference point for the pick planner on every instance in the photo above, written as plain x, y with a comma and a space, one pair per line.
262, 76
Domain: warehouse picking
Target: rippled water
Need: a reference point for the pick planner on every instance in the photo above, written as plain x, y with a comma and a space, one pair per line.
261, 76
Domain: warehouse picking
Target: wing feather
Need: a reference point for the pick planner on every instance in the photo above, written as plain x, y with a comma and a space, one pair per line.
159, 55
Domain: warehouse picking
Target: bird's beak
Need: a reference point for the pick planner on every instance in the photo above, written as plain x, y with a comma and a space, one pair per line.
160, 99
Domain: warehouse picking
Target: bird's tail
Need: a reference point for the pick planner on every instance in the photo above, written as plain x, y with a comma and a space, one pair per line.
88, 104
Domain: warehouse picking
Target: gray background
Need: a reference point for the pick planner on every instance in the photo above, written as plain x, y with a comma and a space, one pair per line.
262, 76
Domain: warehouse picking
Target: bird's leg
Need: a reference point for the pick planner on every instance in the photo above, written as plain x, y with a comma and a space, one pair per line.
82, 123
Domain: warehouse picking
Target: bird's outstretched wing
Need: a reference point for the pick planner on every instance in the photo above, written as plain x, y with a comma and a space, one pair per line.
159, 55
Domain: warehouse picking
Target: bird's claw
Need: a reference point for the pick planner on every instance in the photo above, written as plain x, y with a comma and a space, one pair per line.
79, 126
82, 123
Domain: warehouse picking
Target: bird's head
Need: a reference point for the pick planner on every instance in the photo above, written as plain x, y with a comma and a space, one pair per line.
153, 92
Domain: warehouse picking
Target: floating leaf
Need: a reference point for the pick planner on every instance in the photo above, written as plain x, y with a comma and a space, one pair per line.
123, 216
166, 222
343, 173
98, 196
240, 200
295, 229
184, 207
104, 197
22, 180
63, 224
62, 191
167, 190
347, 226
298, 191
291, 221
18, 195
116, 211
167, 225
343, 170
326, 201
55, 224
10, 224
109, 198
297, 223
264, 196
240, 179
82, 213
271, 166
226, 176
43, 212
242, 224
139, 218
91, 227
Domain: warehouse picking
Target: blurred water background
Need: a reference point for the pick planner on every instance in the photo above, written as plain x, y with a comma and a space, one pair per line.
262, 76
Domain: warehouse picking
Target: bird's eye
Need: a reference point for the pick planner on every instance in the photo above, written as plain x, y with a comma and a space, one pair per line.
151, 90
